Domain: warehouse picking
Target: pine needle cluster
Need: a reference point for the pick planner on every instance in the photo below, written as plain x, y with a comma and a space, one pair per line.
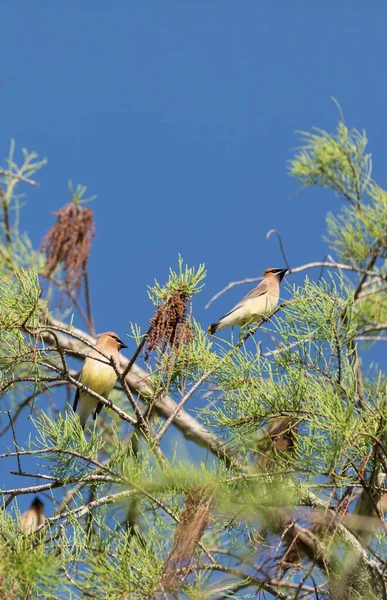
252, 465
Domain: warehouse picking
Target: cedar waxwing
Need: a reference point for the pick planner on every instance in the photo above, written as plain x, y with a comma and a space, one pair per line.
364, 519
32, 518
279, 437
257, 302
98, 376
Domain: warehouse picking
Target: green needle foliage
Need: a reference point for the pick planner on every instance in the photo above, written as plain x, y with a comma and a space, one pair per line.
274, 485
187, 281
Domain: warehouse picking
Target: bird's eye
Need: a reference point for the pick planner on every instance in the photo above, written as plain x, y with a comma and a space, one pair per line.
117, 339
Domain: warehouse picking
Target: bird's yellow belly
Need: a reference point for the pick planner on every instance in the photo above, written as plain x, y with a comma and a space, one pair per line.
256, 308
98, 377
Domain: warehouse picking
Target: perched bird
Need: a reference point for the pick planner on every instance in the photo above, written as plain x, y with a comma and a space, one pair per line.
257, 302
364, 519
32, 518
97, 375
279, 438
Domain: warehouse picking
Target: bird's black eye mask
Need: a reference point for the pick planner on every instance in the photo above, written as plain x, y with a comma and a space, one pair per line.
121, 343
280, 272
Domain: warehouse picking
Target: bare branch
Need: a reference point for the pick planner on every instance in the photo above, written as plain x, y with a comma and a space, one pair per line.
137, 353
7, 222
231, 285
276, 232
27, 402
14, 440
19, 177
311, 265
90, 322
73, 343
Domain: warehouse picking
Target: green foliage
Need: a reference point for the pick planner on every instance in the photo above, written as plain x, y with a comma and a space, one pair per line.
128, 570
20, 312
19, 300
337, 162
355, 235
65, 436
30, 165
186, 364
26, 569
125, 498
78, 193
187, 281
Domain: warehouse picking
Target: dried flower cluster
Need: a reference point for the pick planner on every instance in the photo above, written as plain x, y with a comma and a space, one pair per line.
193, 521
170, 326
68, 243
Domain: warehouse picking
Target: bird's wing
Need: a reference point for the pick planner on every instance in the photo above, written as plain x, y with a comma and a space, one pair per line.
261, 289
76, 399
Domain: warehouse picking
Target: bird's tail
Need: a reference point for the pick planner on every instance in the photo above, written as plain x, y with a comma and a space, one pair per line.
214, 327
82, 416
83, 419
87, 406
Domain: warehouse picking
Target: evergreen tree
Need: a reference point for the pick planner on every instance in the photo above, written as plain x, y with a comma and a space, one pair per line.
289, 500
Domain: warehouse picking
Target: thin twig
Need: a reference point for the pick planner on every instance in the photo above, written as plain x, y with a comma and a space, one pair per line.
210, 372
371, 338
260, 583
34, 489
326, 257
378, 327
107, 403
371, 263
14, 441
66, 376
7, 223
72, 298
69, 496
182, 402
20, 177
75, 584
334, 265
55, 450
137, 353
356, 179
229, 286
70, 480
276, 232
90, 322
83, 510
338, 352
141, 424
60, 351
27, 401
138, 382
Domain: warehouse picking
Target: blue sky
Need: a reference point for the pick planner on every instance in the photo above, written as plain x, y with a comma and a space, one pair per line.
181, 117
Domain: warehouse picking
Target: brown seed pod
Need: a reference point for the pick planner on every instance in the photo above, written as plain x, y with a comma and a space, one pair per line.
170, 326
68, 242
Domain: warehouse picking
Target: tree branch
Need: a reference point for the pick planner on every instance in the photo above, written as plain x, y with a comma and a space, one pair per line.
19, 177
319, 264
137, 380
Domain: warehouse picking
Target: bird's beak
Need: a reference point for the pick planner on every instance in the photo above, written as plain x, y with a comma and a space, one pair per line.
123, 345
282, 273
